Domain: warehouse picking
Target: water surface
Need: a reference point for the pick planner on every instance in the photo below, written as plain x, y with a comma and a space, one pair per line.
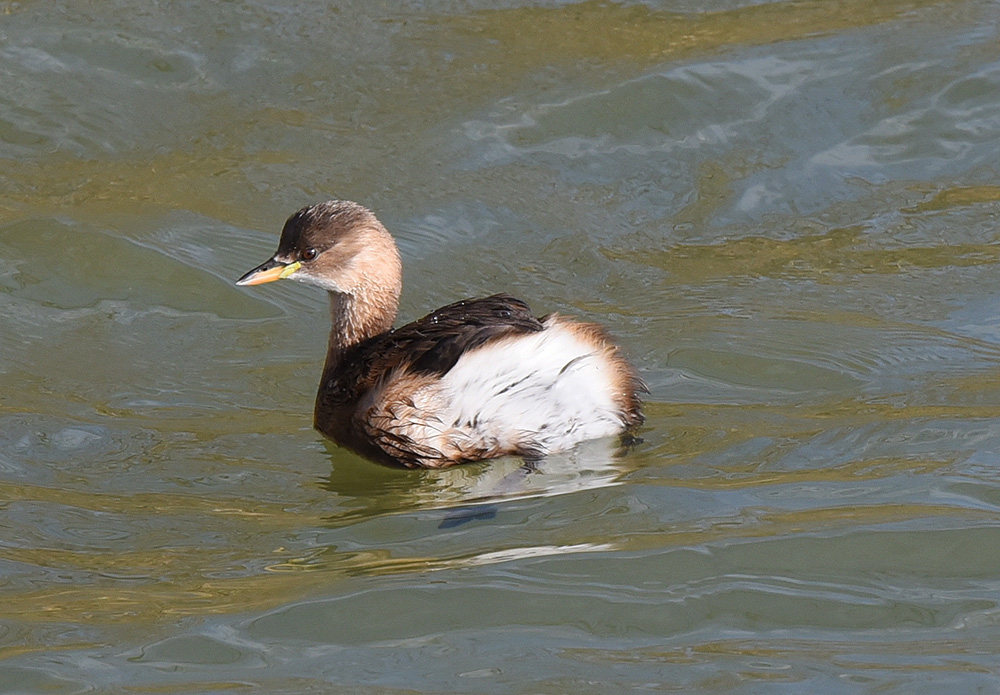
786, 211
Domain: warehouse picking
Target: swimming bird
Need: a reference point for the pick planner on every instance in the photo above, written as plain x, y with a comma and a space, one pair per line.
474, 380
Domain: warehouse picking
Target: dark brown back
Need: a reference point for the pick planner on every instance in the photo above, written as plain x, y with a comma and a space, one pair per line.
428, 346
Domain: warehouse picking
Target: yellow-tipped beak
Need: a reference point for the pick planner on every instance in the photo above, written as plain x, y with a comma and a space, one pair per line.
269, 271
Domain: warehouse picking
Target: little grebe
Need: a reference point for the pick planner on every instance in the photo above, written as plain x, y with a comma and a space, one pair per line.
474, 380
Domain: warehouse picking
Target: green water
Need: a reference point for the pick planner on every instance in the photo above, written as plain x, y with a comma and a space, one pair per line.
786, 211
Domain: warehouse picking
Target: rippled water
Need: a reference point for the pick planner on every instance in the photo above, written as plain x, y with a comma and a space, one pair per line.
786, 211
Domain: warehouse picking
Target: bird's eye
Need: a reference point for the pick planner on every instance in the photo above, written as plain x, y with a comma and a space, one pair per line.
309, 254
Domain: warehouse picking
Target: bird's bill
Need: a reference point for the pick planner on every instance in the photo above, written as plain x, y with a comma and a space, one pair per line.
269, 271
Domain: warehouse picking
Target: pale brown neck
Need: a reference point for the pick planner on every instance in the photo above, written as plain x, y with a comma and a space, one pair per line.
355, 318
363, 276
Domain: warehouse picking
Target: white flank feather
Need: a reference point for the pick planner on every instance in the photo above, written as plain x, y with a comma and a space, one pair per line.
549, 390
